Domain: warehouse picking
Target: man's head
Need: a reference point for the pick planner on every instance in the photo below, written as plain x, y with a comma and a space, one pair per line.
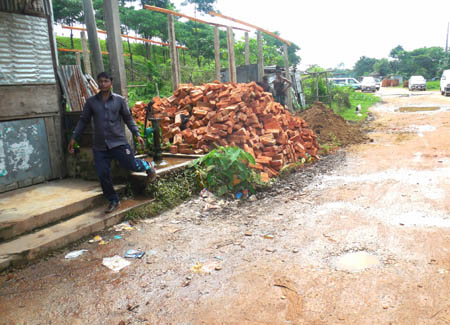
265, 79
104, 80
278, 71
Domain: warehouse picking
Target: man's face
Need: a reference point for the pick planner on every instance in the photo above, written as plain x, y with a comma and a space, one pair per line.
104, 84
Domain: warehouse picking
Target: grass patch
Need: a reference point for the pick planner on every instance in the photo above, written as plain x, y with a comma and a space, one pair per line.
433, 85
366, 100
168, 192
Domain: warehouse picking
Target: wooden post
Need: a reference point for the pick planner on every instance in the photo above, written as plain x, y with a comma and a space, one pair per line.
231, 58
217, 51
86, 58
260, 56
92, 36
288, 76
173, 53
78, 58
247, 49
115, 46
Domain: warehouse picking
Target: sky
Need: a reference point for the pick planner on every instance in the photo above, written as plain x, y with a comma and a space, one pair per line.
330, 32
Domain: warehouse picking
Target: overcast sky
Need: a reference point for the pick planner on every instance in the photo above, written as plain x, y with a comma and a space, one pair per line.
330, 32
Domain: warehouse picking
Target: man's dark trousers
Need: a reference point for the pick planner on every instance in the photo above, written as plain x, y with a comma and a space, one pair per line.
124, 155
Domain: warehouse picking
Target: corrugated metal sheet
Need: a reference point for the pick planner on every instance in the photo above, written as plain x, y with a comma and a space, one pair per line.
26, 7
25, 54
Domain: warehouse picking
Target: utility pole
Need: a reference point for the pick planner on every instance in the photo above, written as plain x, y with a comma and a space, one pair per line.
173, 52
217, 51
260, 56
86, 59
231, 58
92, 36
115, 46
446, 42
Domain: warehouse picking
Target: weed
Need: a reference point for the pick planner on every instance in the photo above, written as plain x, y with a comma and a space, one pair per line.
226, 169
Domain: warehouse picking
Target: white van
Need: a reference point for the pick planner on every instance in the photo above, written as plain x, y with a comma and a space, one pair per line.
445, 83
352, 82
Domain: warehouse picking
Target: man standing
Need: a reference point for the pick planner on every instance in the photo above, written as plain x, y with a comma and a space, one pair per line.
280, 85
108, 110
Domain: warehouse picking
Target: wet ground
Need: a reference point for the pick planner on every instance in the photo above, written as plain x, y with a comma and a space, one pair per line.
362, 237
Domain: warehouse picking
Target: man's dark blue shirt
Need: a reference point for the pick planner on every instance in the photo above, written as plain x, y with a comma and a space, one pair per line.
108, 128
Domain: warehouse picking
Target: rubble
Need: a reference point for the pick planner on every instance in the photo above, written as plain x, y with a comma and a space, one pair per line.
196, 119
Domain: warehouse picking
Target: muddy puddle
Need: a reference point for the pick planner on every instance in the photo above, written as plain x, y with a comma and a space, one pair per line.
356, 261
412, 109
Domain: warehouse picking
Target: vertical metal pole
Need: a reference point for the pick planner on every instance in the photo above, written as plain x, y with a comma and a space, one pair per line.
217, 52
231, 58
288, 76
328, 89
115, 46
86, 59
247, 49
173, 52
260, 56
92, 36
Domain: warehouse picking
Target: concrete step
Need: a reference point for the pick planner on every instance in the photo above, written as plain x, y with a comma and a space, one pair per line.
24, 210
30, 246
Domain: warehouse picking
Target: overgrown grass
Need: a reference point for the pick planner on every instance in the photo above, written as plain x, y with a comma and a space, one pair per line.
364, 99
433, 85
168, 192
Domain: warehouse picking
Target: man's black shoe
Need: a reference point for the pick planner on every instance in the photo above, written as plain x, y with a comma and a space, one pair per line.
112, 207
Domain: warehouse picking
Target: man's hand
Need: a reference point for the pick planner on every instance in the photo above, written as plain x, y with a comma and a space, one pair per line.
70, 147
140, 140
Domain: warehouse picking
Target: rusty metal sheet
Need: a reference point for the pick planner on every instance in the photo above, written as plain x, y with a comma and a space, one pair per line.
25, 54
23, 151
26, 7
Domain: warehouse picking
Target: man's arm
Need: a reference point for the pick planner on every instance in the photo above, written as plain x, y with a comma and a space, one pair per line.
289, 84
129, 121
85, 119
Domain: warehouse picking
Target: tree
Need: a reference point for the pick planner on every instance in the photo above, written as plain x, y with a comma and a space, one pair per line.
364, 66
382, 67
203, 6
68, 12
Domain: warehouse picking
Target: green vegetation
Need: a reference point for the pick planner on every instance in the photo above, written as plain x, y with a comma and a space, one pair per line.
363, 99
168, 192
428, 62
226, 169
433, 85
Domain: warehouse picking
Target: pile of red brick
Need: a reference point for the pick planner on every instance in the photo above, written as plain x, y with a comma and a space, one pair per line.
197, 118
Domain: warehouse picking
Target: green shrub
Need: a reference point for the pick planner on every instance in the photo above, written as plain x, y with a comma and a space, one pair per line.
226, 169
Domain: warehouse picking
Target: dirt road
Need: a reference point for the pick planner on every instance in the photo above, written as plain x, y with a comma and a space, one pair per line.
362, 237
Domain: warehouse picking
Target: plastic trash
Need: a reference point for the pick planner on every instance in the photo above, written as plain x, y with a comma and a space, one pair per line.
117, 237
239, 195
134, 253
115, 263
75, 254
123, 226
96, 239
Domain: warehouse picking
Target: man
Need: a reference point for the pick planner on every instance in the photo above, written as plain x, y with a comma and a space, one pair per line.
265, 84
280, 85
108, 110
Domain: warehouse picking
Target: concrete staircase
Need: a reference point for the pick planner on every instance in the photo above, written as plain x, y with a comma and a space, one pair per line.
41, 218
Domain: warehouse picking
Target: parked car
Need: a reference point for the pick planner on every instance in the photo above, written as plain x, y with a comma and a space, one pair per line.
445, 83
351, 82
368, 84
378, 83
417, 83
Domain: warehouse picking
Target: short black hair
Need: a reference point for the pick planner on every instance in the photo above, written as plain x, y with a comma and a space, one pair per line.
105, 75
265, 78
